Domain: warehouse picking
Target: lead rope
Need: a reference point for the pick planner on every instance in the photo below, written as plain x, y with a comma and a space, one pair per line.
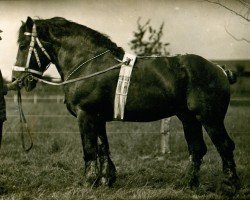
23, 123
82, 77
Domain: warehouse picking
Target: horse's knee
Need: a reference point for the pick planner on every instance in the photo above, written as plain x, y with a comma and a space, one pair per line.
203, 149
225, 146
198, 151
229, 144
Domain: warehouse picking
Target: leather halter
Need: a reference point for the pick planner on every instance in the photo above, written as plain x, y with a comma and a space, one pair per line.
34, 40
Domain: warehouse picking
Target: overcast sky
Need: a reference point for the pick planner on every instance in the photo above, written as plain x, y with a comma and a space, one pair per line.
191, 26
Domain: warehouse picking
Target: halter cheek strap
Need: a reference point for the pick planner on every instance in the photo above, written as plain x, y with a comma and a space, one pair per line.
34, 39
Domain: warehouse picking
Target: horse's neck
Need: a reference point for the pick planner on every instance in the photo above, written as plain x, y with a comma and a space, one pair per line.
71, 54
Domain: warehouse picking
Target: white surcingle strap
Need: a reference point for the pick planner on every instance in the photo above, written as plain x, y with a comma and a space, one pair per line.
123, 86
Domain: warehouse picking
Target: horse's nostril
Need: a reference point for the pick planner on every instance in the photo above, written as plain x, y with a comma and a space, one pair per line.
13, 79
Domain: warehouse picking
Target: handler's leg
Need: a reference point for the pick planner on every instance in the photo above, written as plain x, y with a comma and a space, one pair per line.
1, 132
2, 106
87, 125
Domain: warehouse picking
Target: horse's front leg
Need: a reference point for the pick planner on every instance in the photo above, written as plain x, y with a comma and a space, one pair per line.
87, 123
107, 167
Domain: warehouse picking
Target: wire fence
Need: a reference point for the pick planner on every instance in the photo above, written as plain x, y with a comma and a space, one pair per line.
36, 98
60, 99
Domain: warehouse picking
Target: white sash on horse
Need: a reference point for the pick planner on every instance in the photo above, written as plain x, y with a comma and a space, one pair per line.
123, 86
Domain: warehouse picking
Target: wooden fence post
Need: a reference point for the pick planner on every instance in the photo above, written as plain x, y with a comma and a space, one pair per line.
57, 99
15, 98
165, 136
35, 98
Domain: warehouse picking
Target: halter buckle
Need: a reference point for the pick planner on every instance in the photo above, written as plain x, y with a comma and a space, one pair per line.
20, 83
30, 78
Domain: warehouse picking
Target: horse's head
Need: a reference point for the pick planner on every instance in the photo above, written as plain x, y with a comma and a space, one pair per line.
32, 58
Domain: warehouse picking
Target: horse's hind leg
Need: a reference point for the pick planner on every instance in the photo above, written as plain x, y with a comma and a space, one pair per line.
107, 167
196, 146
89, 142
225, 147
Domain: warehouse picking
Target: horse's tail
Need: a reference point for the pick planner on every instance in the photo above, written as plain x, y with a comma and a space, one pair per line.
231, 76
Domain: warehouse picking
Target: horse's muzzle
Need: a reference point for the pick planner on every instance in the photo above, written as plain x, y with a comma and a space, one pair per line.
29, 83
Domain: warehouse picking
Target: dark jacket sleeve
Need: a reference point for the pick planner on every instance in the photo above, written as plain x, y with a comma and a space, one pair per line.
5, 89
2, 100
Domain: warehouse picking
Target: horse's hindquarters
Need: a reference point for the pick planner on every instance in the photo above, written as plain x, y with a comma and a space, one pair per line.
208, 91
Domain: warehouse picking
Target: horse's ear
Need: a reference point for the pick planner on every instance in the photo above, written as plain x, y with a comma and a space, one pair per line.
29, 22
22, 22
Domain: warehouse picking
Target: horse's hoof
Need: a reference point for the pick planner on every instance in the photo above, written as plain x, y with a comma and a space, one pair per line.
108, 173
229, 186
104, 181
191, 179
194, 183
91, 175
190, 182
90, 182
86, 184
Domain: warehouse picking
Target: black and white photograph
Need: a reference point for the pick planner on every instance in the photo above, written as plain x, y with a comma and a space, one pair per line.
124, 99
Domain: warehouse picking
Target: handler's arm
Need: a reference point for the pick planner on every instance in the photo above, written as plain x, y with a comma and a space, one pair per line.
10, 86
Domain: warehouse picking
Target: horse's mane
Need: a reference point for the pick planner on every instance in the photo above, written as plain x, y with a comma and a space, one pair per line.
62, 27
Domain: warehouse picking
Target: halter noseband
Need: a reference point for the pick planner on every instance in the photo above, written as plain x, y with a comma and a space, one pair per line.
34, 39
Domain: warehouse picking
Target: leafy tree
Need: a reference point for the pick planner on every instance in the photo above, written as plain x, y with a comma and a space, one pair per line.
147, 40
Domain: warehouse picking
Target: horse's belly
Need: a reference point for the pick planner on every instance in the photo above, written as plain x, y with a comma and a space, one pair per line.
146, 116
149, 105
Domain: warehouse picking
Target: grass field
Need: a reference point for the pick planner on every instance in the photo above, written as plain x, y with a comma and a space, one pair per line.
53, 169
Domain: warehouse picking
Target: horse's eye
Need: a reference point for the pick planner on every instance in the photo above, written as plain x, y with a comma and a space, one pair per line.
22, 47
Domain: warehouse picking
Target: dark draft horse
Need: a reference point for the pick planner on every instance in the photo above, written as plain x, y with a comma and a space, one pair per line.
188, 86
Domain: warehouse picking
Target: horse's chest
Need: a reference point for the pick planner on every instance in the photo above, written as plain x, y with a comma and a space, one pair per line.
83, 96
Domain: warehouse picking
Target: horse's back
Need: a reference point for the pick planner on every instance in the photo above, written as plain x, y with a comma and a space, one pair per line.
202, 71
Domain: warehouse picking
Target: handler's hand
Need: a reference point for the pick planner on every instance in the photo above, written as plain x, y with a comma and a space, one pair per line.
13, 85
